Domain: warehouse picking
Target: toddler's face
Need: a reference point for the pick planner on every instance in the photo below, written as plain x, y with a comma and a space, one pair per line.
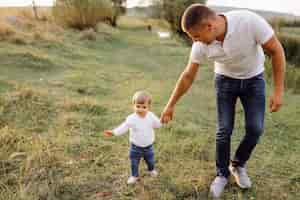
141, 108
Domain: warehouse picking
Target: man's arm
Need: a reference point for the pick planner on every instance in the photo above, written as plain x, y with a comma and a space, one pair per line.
183, 84
274, 49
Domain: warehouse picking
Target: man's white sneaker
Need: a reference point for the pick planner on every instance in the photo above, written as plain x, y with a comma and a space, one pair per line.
131, 180
241, 177
217, 186
153, 173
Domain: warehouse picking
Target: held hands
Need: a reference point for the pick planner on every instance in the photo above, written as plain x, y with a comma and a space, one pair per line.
275, 102
167, 114
108, 133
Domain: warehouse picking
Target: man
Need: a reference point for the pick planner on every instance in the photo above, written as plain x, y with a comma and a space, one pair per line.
235, 41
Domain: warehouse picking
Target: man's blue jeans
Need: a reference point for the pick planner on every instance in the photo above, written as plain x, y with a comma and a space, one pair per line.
135, 155
251, 93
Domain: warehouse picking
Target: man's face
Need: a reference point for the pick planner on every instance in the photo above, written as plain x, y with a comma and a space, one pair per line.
141, 108
205, 33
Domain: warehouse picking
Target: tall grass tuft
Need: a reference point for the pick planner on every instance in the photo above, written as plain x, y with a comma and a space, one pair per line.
80, 14
27, 109
31, 167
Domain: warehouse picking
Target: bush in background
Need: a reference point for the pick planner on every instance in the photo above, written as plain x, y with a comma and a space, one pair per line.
287, 32
85, 14
291, 45
278, 22
292, 76
291, 23
172, 11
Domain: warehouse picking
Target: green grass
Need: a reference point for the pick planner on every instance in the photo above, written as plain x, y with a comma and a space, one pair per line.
57, 98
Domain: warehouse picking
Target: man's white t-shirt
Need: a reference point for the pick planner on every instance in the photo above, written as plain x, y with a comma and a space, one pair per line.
241, 55
141, 129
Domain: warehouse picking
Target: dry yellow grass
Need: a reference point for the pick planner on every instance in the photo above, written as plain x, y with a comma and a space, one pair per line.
6, 30
23, 11
19, 25
4, 12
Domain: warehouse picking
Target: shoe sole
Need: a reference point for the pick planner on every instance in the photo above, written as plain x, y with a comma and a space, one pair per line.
211, 195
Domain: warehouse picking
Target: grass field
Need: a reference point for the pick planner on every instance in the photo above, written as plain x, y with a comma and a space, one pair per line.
59, 92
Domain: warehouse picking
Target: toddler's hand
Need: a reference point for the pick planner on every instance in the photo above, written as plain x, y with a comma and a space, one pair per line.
108, 133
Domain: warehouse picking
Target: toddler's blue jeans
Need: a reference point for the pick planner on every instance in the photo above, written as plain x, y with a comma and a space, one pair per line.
135, 155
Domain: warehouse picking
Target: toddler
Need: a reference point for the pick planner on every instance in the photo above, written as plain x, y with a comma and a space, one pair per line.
140, 125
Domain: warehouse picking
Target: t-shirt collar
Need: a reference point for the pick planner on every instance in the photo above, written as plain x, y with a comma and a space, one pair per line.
229, 25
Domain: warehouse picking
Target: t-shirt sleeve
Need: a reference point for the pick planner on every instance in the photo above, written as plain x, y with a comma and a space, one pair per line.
197, 53
123, 128
262, 30
155, 121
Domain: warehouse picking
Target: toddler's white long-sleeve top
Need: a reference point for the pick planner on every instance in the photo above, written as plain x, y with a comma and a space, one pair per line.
141, 131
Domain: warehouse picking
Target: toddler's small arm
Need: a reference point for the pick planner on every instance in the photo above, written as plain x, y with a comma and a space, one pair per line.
156, 121
120, 130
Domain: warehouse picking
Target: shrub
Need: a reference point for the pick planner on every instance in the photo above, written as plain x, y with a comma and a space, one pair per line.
292, 76
291, 45
290, 23
279, 22
172, 11
80, 14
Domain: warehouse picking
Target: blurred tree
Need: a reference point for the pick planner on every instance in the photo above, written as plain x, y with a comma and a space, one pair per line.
83, 14
35, 12
119, 9
172, 11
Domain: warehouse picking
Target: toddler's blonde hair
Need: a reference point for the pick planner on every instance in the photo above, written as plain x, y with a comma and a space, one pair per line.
141, 97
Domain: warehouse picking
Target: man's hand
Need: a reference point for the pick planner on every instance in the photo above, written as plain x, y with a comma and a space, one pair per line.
108, 133
275, 102
167, 114
275, 50
183, 84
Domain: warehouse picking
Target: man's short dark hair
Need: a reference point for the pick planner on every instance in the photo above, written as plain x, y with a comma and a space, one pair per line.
194, 15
